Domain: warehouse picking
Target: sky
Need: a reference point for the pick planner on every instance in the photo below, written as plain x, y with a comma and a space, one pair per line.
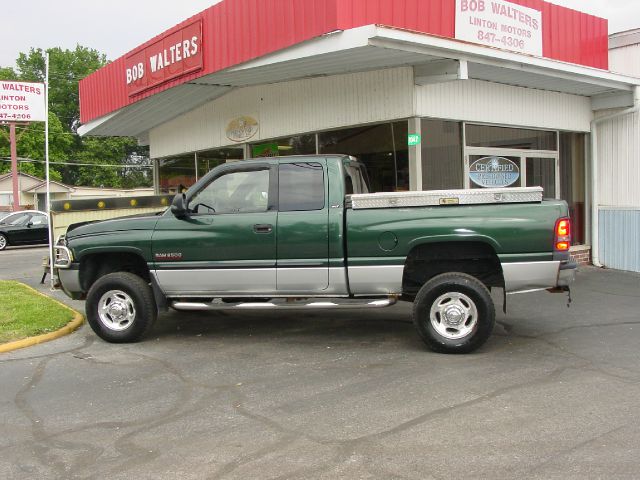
115, 27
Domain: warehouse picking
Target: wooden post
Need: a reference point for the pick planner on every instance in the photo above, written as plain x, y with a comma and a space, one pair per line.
14, 166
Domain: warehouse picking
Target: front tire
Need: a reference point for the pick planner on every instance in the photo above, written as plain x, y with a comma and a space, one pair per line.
454, 313
121, 308
3, 242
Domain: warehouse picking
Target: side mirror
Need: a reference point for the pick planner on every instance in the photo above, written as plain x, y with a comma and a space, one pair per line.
30, 224
179, 206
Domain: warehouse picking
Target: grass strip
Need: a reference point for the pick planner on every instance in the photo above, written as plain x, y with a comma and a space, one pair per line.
24, 313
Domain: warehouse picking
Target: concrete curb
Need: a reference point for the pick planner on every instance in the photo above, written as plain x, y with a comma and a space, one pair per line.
70, 327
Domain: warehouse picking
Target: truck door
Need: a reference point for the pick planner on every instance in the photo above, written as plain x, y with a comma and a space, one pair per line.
227, 244
303, 227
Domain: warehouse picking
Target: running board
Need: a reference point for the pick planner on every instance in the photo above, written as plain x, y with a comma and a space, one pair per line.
288, 304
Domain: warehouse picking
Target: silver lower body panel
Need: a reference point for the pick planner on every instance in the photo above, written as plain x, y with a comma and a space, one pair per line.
527, 276
376, 280
263, 282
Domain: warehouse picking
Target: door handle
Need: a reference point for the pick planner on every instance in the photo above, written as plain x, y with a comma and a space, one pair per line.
263, 228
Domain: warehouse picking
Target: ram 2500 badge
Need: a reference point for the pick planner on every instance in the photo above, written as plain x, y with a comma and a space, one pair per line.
304, 233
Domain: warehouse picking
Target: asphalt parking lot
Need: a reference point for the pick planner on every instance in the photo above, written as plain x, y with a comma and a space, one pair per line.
555, 393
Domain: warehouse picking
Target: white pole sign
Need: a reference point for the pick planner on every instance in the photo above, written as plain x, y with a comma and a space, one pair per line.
500, 24
22, 102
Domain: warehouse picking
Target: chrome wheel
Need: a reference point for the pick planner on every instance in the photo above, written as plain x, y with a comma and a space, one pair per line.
3, 242
454, 315
116, 310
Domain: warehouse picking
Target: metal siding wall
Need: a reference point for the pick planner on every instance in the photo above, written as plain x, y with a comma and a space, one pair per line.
619, 162
619, 192
474, 100
625, 60
291, 108
620, 239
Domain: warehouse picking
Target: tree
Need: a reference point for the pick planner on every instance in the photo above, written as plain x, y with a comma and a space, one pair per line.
66, 68
31, 145
124, 151
8, 73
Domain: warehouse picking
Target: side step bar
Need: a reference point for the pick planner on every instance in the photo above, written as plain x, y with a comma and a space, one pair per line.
288, 304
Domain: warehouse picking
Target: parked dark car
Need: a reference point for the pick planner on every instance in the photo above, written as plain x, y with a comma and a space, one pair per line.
24, 228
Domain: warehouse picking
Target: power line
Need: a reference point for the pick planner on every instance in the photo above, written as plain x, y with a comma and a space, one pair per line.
4, 159
57, 134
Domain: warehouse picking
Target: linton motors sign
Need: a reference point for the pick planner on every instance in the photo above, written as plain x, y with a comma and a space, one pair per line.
174, 55
500, 24
22, 102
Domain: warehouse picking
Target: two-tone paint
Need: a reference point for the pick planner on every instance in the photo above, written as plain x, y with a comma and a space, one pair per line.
334, 251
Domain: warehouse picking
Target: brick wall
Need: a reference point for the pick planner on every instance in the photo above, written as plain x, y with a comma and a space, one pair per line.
581, 254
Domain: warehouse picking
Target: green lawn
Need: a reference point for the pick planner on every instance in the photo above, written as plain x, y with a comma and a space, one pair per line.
24, 313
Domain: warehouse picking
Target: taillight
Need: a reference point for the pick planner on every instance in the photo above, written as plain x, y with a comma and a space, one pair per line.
562, 240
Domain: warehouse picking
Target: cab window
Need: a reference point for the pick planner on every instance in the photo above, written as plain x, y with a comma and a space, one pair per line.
234, 192
301, 187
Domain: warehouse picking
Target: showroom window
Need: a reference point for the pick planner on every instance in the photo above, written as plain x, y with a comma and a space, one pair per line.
298, 145
177, 173
442, 160
382, 148
512, 138
210, 159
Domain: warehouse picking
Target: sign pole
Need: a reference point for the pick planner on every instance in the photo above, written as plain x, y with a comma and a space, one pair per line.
14, 166
46, 156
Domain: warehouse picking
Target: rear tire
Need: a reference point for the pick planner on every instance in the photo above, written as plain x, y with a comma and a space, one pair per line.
454, 313
121, 308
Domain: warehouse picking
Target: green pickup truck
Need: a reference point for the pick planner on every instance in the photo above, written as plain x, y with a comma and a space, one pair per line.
304, 233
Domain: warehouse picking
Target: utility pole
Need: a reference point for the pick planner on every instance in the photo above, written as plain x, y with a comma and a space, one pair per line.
20, 104
14, 166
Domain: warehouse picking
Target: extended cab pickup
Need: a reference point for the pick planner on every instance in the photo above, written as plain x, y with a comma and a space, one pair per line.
304, 233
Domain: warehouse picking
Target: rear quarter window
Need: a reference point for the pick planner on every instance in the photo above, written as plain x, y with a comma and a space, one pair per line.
301, 187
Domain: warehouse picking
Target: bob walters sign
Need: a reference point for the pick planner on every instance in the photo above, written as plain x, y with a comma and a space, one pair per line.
493, 172
500, 24
174, 55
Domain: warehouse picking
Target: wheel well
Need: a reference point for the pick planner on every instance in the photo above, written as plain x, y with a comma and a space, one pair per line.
428, 260
97, 265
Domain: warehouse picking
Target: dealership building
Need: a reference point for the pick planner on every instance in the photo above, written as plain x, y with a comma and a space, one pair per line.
429, 94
